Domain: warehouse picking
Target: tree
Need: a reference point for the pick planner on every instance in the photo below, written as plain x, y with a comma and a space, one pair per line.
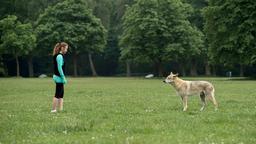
16, 38
119, 11
196, 19
27, 11
112, 51
230, 28
73, 22
157, 31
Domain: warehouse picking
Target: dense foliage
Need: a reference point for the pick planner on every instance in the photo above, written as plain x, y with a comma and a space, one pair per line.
110, 37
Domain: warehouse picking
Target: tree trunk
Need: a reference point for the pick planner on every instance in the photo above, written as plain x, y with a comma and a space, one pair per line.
128, 68
183, 69
193, 71
159, 68
207, 69
17, 66
214, 70
30, 66
75, 64
2, 67
241, 70
94, 73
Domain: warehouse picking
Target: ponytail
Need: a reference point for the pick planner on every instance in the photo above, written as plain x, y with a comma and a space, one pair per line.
58, 46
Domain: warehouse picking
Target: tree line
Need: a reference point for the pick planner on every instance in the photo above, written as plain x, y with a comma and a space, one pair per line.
129, 37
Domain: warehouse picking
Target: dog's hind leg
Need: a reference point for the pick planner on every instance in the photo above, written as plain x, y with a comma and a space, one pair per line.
202, 96
213, 100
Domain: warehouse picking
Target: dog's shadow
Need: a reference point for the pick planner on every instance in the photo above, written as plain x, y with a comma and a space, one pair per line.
190, 112
193, 113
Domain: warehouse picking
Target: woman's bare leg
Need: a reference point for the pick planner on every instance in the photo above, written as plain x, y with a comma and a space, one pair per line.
61, 104
54, 104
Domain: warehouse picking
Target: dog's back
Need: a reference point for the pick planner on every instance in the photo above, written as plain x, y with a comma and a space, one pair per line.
196, 87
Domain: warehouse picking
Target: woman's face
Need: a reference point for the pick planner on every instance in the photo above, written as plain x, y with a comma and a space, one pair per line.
64, 49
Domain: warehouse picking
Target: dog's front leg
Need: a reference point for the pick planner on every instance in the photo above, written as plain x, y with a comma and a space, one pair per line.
185, 103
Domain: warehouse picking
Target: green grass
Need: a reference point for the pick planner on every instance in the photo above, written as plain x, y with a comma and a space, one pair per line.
126, 111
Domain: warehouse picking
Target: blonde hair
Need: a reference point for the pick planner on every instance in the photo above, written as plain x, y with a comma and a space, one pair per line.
58, 47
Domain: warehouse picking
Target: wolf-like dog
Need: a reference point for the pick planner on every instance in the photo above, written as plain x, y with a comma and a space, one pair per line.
187, 88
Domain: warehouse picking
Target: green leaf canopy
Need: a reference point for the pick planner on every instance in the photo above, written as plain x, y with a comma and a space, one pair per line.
71, 21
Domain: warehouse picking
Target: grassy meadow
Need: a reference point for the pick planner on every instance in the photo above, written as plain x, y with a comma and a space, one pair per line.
124, 111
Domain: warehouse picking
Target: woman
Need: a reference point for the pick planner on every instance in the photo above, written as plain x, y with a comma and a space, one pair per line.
59, 51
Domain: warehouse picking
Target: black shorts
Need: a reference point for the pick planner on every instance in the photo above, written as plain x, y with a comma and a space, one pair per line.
59, 93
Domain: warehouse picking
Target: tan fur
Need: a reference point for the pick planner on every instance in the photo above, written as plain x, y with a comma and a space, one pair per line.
188, 88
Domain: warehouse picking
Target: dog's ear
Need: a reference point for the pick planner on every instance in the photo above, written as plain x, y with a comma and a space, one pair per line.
171, 73
177, 74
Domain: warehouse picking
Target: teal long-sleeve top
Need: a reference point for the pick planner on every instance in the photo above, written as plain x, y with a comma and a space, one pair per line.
60, 63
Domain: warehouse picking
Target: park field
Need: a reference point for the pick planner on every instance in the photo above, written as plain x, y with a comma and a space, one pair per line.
125, 111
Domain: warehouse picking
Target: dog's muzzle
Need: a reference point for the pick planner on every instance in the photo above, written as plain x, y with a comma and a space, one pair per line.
167, 81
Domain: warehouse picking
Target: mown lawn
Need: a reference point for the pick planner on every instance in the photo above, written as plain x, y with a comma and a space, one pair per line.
125, 111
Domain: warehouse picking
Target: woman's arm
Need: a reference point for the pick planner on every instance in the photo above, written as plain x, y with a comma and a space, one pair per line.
60, 63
